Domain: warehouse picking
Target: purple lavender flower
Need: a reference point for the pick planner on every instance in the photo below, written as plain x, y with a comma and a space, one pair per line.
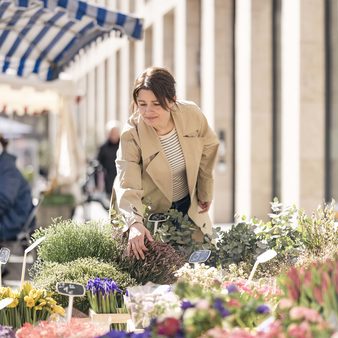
219, 306
186, 305
263, 309
232, 288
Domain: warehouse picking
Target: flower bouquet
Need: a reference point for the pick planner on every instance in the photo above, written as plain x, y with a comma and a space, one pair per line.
315, 287
29, 305
59, 329
107, 303
149, 301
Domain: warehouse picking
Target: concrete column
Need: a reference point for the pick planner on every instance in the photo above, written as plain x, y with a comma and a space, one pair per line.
158, 42
290, 102
168, 40
223, 110
208, 65
91, 92
243, 108
100, 100
139, 45
261, 108
180, 48
111, 87
334, 101
312, 105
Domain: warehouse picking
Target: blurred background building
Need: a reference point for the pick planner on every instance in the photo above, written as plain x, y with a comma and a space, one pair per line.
263, 71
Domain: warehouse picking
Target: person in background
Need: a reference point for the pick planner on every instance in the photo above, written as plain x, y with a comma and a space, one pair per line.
107, 155
15, 196
166, 157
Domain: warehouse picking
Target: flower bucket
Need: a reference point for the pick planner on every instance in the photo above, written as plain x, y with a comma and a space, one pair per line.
110, 320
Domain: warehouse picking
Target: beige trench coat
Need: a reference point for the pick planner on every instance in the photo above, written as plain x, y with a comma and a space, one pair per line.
143, 171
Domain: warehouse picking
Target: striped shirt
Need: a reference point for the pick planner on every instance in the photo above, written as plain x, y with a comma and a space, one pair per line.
173, 151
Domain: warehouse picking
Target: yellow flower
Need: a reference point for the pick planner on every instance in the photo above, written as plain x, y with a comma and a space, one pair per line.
36, 294
29, 301
38, 308
50, 301
58, 309
42, 302
14, 303
4, 292
26, 288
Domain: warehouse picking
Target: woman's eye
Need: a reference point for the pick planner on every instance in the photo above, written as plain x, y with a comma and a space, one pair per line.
156, 104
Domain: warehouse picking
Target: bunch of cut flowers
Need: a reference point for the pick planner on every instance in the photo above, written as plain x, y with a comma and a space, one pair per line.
314, 287
200, 274
105, 296
29, 305
60, 329
146, 302
202, 310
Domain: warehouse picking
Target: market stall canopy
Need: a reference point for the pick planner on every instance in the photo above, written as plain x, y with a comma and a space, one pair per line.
13, 129
43, 36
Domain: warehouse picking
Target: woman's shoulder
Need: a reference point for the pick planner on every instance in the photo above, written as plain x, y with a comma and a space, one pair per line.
187, 105
189, 109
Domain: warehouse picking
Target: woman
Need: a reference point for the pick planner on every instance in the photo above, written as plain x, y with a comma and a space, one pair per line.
166, 157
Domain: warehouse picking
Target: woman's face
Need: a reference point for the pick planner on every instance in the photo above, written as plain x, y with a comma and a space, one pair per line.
151, 111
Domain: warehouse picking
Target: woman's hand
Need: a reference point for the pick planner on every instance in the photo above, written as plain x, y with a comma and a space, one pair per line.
137, 234
204, 206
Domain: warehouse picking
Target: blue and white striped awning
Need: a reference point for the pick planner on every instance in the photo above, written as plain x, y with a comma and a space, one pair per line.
43, 36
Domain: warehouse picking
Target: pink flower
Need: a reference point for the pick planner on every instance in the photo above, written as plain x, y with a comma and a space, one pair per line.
301, 312
302, 330
234, 303
202, 304
317, 293
285, 303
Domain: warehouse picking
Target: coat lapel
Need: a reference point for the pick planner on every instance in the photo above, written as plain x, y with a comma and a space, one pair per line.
191, 147
155, 162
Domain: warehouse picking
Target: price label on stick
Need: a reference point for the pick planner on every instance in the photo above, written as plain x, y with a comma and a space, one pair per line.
70, 289
4, 255
199, 256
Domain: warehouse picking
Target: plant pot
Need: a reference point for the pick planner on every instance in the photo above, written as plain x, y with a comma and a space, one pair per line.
110, 320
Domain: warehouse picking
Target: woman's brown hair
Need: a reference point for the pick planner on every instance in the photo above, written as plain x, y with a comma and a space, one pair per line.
160, 82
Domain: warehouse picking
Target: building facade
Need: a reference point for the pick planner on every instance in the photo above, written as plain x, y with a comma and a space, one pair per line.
264, 73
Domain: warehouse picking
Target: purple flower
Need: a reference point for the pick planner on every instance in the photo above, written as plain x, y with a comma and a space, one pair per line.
104, 286
115, 334
123, 334
186, 305
219, 306
232, 288
6, 332
263, 309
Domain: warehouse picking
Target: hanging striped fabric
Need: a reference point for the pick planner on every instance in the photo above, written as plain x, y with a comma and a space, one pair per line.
43, 36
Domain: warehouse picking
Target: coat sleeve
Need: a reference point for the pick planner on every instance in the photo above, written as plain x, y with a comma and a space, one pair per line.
128, 183
10, 185
205, 181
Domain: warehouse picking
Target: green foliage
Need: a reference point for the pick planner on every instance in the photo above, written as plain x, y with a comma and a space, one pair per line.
319, 231
282, 232
236, 245
178, 231
67, 240
47, 274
